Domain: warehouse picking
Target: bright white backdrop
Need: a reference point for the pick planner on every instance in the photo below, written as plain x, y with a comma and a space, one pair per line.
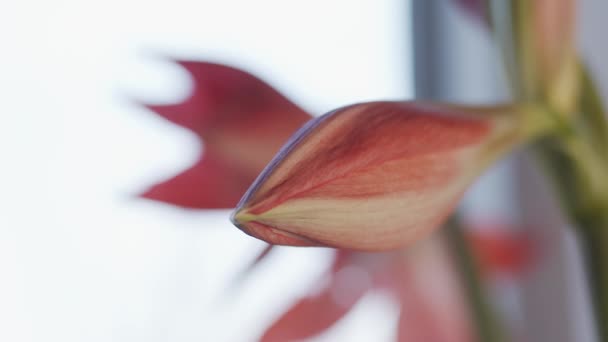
81, 259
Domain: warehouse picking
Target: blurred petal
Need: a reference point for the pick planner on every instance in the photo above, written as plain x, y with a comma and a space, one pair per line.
432, 303
554, 32
537, 39
213, 182
474, 8
242, 123
373, 176
312, 315
502, 252
421, 279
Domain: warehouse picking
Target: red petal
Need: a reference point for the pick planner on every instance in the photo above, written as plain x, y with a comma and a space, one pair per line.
432, 305
502, 252
313, 315
210, 183
242, 123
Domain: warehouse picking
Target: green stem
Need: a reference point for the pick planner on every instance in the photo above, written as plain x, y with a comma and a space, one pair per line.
583, 197
595, 240
488, 328
593, 112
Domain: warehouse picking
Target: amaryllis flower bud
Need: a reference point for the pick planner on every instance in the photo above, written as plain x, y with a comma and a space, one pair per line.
374, 176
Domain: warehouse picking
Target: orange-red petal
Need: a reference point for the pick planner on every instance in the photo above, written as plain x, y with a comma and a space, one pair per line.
373, 176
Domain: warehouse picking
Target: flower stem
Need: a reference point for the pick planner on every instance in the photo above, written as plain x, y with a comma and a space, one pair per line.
488, 327
595, 240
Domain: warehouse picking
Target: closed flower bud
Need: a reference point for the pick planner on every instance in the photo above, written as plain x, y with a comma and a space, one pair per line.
374, 176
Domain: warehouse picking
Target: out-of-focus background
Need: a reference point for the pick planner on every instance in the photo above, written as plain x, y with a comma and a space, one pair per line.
83, 259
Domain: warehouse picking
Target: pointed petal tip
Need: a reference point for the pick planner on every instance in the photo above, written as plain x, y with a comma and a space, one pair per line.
237, 218
250, 225
156, 195
148, 194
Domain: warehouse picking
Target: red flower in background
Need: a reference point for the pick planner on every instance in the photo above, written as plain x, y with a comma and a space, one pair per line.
242, 123
421, 279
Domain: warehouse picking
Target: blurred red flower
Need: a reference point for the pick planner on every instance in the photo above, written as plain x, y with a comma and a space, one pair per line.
241, 122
